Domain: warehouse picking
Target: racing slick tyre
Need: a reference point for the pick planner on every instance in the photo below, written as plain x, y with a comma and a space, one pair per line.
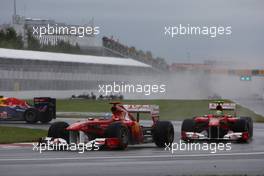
241, 125
250, 125
45, 118
120, 131
163, 133
188, 125
58, 130
31, 115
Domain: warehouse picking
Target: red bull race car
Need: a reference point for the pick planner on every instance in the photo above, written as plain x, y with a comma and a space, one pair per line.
218, 126
13, 109
121, 128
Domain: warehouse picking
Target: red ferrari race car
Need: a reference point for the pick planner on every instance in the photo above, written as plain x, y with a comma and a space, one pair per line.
117, 131
218, 126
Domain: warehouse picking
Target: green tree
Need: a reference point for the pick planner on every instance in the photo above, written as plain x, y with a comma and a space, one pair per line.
10, 39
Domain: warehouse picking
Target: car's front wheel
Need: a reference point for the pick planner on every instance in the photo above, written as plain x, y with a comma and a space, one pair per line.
250, 125
188, 125
242, 126
163, 133
58, 130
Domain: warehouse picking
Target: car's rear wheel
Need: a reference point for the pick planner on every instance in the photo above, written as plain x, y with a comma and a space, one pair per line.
45, 117
31, 115
120, 131
163, 133
58, 130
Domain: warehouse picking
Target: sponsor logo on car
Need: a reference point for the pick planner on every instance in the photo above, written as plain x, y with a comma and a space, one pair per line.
3, 115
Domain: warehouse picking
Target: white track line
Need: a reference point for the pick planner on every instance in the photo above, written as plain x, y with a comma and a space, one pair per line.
132, 157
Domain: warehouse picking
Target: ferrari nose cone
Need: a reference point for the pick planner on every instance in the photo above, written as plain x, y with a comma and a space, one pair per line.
75, 126
214, 122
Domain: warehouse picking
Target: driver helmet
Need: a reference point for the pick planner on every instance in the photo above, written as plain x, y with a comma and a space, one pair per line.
219, 113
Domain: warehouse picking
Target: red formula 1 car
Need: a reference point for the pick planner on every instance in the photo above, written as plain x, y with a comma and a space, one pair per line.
218, 125
116, 131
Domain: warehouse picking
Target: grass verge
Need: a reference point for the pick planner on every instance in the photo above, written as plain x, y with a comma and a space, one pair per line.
17, 134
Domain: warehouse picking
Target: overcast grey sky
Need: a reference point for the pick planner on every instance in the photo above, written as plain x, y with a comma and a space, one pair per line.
140, 23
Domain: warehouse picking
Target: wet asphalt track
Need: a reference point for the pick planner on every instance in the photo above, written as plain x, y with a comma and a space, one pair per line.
136, 160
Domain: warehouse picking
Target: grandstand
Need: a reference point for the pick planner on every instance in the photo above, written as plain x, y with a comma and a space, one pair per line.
124, 51
34, 70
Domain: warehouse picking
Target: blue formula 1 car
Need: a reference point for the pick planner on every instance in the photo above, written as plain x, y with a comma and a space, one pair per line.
13, 109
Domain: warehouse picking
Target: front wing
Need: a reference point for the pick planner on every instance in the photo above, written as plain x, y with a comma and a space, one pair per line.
230, 136
96, 144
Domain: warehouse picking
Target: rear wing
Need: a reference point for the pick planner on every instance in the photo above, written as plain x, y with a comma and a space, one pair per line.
152, 109
225, 106
44, 100
50, 103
